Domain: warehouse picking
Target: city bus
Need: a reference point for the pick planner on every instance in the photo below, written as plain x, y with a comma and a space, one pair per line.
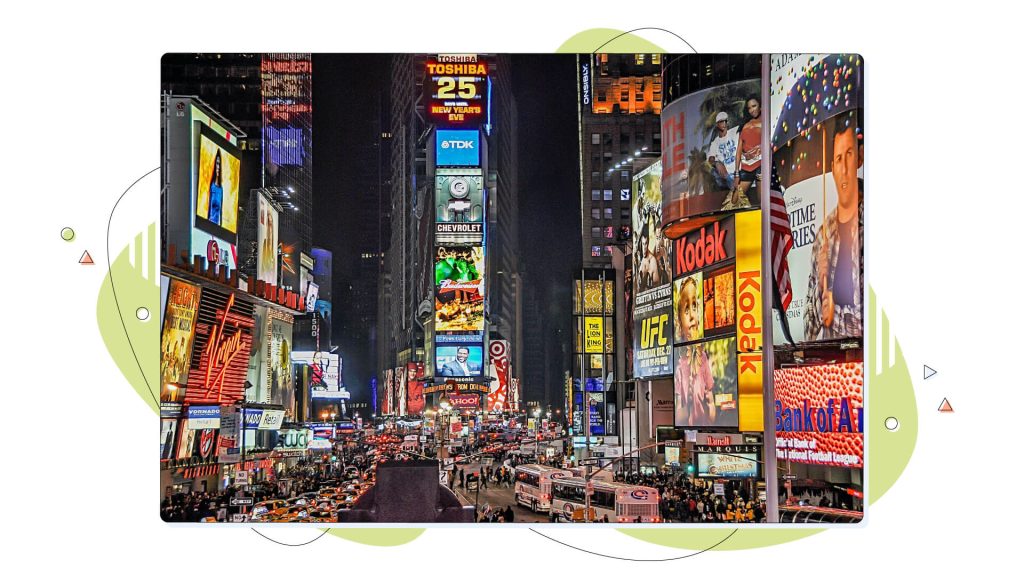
533, 485
618, 502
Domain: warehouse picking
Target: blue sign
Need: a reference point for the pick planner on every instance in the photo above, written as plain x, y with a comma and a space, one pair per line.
198, 412
285, 145
253, 417
458, 148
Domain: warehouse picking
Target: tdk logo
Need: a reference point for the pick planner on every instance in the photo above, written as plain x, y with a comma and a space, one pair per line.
458, 148
458, 144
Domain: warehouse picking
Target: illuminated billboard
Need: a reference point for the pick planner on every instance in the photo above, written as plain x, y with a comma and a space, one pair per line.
498, 397
711, 142
818, 154
706, 384
414, 375
459, 291
456, 88
713, 465
182, 307
459, 200
819, 414
325, 370
222, 340
266, 240
651, 275
218, 168
459, 361
457, 148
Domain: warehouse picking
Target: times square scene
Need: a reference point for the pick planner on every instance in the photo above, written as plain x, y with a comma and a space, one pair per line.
512, 288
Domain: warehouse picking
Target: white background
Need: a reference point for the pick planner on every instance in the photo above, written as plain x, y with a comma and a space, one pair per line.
79, 103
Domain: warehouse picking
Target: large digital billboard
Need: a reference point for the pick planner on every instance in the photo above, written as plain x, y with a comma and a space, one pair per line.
711, 465
221, 359
818, 153
819, 414
325, 372
459, 292
459, 199
181, 310
218, 169
459, 361
706, 384
652, 275
457, 148
711, 143
498, 397
266, 240
456, 88
414, 376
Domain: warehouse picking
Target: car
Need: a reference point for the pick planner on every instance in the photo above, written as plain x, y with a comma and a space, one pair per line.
272, 507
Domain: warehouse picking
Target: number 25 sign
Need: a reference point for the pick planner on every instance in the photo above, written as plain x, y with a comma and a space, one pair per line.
456, 90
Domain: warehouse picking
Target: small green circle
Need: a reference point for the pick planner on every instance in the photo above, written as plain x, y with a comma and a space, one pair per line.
67, 234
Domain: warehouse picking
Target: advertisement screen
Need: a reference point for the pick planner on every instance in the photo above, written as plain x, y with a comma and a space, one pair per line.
279, 369
459, 290
458, 148
388, 396
497, 398
818, 154
459, 204
400, 393
592, 298
456, 88
416, 403
706, 384
727, 465
266, 241
652, 276
324, 370
456, 361
179, 326
819, 414
217, 180
168, 427
712, 151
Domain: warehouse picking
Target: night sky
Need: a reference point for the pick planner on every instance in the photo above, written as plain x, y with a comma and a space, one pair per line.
347, 93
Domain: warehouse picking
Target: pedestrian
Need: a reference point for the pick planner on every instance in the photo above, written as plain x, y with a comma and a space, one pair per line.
462, 479
510, 516
483, 481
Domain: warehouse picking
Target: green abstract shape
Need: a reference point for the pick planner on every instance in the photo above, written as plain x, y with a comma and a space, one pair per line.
590, 40
378, 536
888, 452
135, 288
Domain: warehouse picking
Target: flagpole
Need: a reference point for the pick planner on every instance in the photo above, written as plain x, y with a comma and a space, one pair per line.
767, 278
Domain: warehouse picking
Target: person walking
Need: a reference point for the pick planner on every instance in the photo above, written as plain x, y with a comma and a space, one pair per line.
462, 478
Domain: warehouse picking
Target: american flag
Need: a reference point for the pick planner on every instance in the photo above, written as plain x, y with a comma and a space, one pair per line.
782, 243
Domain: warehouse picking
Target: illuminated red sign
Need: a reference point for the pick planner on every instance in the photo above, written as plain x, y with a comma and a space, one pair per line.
710, 244
456, 92
223, 339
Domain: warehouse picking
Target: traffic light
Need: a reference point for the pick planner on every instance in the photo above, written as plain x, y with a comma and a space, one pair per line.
689, 468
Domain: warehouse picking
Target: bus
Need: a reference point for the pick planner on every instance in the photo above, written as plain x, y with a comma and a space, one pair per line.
618, 502
818, 515
533, 485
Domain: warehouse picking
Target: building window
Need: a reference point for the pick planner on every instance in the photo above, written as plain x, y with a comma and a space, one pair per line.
625, 214
608, 250
655, 58
595, 231
607, 195
640, 58
601, 97
595, 195
595, 138
595, 176
595, 213
609, 231
624, 194
608, 213
624, 97
595, 251
624, 175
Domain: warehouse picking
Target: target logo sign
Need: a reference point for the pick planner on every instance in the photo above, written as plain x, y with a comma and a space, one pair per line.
497, 397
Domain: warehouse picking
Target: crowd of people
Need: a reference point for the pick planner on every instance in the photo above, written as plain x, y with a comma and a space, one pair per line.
684, 501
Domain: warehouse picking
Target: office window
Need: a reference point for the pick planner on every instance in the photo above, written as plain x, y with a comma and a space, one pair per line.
640, 58
595, 176
595, 213
595, 231
608, 250
624, 194
609, 231
624, 175
607, 195
608, 213
595, 138
625, 214
625, 95
655, 58
595, 195
595, 251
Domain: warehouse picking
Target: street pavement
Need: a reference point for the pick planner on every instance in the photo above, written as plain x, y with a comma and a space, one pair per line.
497, 497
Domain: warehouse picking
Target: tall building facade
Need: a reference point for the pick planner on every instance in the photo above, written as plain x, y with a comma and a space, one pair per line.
620, 99
408, 336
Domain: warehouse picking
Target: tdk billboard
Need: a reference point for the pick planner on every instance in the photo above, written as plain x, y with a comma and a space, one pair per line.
458, 148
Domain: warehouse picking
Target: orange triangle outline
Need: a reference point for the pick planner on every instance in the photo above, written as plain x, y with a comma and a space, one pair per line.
86, 258
945, 406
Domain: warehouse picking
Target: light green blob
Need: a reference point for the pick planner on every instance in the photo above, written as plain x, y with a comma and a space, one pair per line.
135, 288
589, 40
378, 536
67, 234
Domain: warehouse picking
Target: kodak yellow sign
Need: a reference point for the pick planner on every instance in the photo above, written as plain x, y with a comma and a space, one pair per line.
749, 321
